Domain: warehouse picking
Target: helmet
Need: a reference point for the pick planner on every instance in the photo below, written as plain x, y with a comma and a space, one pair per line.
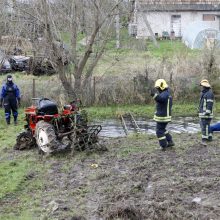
161, 83
205, 83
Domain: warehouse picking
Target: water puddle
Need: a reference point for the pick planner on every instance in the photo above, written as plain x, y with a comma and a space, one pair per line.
113, 127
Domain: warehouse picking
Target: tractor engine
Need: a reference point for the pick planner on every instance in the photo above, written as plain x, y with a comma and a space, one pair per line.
46, 107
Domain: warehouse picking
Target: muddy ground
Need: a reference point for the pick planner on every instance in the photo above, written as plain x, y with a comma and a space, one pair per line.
133, 180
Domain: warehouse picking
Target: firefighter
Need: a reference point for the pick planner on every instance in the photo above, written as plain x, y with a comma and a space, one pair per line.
162, 116
10, 98
206, 110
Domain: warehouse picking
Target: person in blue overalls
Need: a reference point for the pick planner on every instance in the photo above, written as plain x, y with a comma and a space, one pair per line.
215, 127
10, 98
162, 116
206, 110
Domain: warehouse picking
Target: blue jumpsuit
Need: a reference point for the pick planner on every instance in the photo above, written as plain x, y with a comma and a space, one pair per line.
206, 113
215, 127
10, 95
163, 117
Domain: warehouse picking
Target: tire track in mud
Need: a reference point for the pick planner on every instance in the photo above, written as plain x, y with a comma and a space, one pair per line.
162, 185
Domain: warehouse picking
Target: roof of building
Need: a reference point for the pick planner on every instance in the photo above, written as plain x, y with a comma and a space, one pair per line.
180, 5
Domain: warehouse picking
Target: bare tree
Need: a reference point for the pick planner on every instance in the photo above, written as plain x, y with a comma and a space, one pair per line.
50, 20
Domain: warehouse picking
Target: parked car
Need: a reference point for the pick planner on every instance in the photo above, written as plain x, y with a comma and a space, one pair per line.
19, 63
5, 66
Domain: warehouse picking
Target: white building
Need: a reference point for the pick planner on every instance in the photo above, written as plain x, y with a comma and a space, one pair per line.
167, 16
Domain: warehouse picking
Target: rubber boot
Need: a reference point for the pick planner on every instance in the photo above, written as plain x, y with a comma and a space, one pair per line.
170, 144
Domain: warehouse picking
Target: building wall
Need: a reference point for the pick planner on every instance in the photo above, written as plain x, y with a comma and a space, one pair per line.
161, 21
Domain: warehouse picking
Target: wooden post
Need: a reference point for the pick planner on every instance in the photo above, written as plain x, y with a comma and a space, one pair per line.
94, 88
117, 25
135, 85
34, 92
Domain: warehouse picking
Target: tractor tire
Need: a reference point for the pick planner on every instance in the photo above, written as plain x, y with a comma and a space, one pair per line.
46, 138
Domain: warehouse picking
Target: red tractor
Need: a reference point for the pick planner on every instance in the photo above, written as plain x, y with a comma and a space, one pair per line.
52, 131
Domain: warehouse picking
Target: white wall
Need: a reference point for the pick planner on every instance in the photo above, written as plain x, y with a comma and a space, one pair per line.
161, 21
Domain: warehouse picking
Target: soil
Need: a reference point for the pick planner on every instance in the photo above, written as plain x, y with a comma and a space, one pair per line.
133, 180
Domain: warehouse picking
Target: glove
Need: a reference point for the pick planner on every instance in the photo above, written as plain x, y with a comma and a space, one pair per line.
152, 92
207, 113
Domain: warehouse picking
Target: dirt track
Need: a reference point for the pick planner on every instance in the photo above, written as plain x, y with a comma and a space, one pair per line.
133, 180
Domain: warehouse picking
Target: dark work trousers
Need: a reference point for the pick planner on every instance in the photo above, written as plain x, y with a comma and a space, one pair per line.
162, 134
205, 128
10, 105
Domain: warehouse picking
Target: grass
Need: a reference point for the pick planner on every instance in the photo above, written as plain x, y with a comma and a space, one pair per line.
130, 60
15, 168
12, 175
168, 48
179, 110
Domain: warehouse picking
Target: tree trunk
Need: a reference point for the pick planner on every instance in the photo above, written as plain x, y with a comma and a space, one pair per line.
117, 25
67, 85
77, 85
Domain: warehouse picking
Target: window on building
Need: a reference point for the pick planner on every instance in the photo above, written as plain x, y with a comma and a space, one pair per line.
207, 17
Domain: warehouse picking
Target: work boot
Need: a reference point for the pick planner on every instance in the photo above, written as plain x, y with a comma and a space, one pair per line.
204, 142
15, 123
170, 144
210, 139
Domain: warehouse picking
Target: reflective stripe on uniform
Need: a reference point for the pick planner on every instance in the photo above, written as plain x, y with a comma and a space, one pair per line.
162, 119
168, 107
202, 115
204, 105
204, 136
166, 132
162, 138
210, 100
206, 130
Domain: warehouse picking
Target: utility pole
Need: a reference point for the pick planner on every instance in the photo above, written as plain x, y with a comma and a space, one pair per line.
144, 16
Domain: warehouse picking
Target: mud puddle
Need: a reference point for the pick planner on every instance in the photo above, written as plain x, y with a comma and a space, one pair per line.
113, 127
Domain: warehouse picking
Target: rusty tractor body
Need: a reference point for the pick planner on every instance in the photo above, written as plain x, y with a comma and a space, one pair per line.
52, 131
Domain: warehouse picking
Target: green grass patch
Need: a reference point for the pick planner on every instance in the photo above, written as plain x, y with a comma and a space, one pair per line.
23, 216
12, 175
168, 48
179, 110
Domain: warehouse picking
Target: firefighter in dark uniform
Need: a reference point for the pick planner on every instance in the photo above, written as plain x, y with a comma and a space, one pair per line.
162, 116
10, 98
206, 110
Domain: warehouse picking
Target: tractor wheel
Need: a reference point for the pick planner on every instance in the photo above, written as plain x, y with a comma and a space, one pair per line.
46, 137
24, 141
